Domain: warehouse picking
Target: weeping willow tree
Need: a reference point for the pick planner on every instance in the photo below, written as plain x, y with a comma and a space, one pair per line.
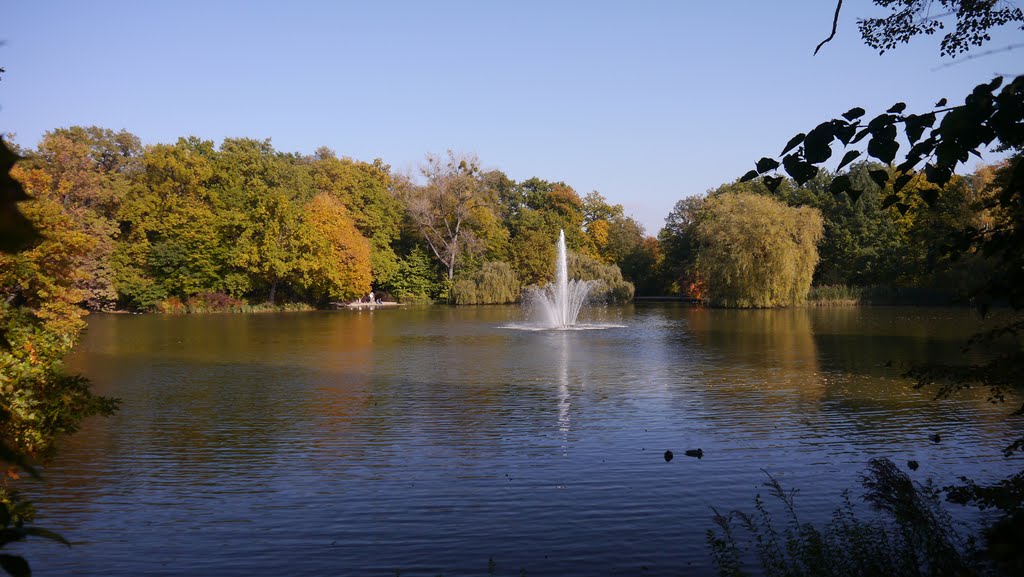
755, 251
494, 283
609, 286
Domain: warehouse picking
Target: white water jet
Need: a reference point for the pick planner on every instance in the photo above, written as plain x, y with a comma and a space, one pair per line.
562, 299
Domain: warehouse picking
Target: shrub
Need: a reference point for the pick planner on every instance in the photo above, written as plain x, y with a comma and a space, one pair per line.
834, 295
609, 286
494, 283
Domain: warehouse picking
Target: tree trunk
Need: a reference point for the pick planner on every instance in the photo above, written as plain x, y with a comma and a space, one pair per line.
273, 290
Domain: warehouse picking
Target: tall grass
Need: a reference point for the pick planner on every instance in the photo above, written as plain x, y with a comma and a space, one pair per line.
910, 534
221, 303
834, 296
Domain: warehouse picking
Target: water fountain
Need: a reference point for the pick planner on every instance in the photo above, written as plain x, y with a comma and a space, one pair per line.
562, 299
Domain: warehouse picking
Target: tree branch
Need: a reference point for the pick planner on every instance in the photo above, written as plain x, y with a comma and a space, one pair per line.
835, 24
986, 53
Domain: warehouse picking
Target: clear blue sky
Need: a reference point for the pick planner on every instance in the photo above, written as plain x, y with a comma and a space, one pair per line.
646, 102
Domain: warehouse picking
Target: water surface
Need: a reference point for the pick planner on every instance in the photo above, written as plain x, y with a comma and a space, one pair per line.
432, 440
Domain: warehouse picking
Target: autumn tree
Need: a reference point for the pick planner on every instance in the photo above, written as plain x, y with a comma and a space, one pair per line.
88, 171
40, 321
755, 251
333, 259
366, 190
441, 209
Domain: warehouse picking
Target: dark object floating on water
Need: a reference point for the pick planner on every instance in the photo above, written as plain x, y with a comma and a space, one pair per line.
695, 453
913, 465
668, 456
935, 438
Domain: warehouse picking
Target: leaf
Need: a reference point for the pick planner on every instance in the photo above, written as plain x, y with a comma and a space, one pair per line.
996, 83
11, 456
46, 534
937, 175
940, 103
848, 158
845, 132
751, 175
854, 195
883, 149
793, 142
902, 207
817, 143
15, 566
860, 135
853, 113
908, 164
766, 164
772, 182
915, 125
930, 195
902, 181
890, 200
897, 108
800, 170
840, 184
881, 121
879, 176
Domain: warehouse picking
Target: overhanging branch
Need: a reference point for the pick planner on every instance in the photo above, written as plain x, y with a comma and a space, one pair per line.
835, 24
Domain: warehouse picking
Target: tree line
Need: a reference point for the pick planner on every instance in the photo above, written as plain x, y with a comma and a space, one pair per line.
163, 226
192, 226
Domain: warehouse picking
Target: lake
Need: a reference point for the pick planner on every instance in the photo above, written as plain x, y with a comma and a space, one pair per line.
432, 440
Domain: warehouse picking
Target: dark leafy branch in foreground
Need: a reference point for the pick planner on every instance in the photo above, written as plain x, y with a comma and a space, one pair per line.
985, 117
972, 20
940, 140
16, 233
910, 534
911, 18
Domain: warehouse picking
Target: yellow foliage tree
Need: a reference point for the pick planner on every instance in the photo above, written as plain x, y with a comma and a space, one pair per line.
335, 261
755, 252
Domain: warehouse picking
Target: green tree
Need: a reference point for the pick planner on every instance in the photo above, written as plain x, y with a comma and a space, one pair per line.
417, 280
755, 251
170, 241
679, 245
263, 194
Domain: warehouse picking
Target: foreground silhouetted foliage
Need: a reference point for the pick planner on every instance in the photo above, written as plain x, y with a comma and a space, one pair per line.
907, 533
39, 324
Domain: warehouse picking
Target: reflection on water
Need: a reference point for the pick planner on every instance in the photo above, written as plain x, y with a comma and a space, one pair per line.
430, 440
